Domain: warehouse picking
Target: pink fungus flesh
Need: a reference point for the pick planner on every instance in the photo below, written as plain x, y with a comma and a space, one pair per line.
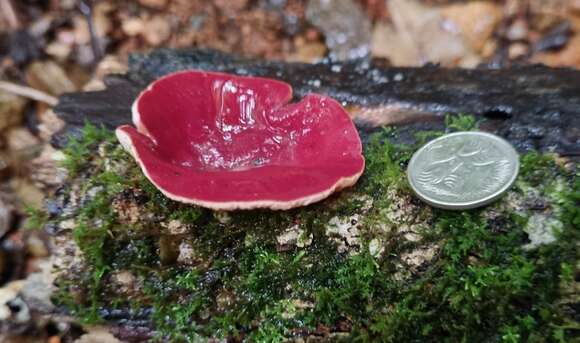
230, 142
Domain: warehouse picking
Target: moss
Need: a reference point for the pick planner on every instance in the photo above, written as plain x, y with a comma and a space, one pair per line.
536, 168
461, 122
481, 284
570, 204
80, 149
187, 214
384, 163
173, 317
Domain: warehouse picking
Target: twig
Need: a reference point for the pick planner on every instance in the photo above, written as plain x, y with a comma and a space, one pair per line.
28, 92
86, 9
9, 14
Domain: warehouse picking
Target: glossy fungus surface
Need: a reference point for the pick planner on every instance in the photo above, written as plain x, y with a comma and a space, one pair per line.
230, 142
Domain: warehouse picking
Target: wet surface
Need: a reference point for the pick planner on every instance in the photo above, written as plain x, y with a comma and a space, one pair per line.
213, 137
534, 107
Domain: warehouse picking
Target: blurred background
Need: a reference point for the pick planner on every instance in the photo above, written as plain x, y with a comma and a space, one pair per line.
49, 47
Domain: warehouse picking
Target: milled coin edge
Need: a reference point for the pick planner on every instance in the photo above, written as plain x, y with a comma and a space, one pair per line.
471, 204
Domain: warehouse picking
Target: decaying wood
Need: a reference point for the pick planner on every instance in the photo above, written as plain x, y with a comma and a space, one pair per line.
535, 107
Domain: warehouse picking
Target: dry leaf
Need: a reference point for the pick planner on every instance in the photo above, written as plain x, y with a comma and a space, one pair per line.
476, 21
418, 36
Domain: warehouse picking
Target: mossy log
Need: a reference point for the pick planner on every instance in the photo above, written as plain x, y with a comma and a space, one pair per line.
371, 263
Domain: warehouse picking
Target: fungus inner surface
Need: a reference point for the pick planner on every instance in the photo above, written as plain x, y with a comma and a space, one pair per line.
241, 132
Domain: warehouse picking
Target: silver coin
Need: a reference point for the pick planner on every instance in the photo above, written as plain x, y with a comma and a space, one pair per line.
463, 170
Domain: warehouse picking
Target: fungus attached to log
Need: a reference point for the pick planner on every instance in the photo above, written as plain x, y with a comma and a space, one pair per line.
229, 142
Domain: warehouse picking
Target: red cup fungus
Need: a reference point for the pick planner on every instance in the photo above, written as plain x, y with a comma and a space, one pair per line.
229, 142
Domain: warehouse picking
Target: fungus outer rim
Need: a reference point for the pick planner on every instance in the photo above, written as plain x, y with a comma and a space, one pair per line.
341, 183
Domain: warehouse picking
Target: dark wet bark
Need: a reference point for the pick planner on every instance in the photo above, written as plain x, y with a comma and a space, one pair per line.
535, 107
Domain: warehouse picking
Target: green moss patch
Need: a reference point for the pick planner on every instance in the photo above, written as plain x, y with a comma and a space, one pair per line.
372, 263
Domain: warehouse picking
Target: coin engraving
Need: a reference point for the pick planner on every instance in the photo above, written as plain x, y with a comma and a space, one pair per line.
463, 170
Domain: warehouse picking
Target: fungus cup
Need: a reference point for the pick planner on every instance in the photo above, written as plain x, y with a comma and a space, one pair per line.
229, 142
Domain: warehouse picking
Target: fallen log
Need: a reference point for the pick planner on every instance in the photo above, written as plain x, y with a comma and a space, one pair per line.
370, 263
534, 107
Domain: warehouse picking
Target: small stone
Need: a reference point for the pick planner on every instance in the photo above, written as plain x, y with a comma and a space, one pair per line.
58, 50
133, 26
11, 110
49, 77
517, 50
110, 64
8, 294
94, 85
21, 140
20, 310
518, 30
346, 27
36, 246
157, 30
